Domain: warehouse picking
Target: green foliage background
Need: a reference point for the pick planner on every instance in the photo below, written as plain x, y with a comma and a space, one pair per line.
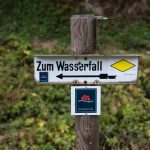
34, 117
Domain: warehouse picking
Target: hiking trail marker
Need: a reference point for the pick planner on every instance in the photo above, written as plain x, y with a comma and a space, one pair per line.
86, 69
82, 68
85, 100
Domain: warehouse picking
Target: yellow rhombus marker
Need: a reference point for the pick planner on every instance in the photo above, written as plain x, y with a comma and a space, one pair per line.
123, 65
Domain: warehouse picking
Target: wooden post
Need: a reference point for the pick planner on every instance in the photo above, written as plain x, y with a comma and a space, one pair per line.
83, 34
83, 41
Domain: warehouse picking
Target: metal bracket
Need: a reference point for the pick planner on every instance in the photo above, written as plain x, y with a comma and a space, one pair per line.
97, 82
100, 18
76, 82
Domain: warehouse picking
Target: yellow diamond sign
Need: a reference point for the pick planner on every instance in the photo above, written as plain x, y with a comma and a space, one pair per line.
123, 65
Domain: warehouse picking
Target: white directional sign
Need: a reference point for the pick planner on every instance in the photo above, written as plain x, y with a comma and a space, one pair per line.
86, 69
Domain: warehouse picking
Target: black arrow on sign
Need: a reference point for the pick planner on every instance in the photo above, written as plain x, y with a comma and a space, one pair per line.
101, 76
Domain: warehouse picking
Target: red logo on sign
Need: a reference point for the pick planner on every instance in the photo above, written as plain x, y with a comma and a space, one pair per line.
86, 98
43, 76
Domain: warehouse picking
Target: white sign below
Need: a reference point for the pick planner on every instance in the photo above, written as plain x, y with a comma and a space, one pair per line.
85, 100
86, 69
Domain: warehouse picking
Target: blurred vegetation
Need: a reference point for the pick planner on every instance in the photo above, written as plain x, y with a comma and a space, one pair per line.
127, 35
34, 117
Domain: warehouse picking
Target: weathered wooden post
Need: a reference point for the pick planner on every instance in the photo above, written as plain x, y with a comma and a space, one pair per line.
83, 41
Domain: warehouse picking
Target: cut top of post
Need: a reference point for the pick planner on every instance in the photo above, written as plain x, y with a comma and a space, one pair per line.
82, 16
83, 34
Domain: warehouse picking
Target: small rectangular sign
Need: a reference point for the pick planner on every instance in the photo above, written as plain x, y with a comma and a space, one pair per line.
86, 69
85, 100
43, 76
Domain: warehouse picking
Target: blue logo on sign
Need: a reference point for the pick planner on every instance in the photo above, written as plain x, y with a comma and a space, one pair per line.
86, 100
43, 76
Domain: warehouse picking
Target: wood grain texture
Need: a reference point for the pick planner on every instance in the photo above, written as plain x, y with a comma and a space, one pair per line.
87, 128
83, 34
83, 42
